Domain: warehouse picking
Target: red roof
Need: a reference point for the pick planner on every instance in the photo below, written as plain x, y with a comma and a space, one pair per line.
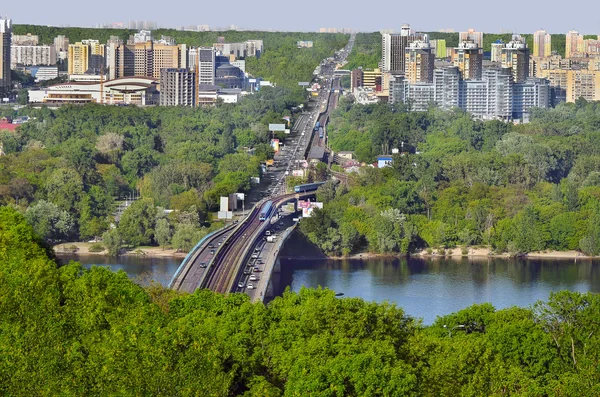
9, 127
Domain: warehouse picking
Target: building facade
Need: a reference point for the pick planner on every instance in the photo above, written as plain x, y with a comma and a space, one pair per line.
574, 44
25, 39
494, 96
177, 87
468, 57
419, 62
515, 55
393, 46
542, 44
496, 51
5, 44
32, 55
471, 35
61, 47
138, 91
86, 56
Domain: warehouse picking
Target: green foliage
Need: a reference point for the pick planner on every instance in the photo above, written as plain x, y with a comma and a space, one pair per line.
136, 226
96, 247
113, 241
72, 331
516, 188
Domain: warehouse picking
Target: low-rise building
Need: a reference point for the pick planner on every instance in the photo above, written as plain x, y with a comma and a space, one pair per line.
138, 91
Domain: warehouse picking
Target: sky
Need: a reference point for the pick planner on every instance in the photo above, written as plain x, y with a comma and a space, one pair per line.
518, 16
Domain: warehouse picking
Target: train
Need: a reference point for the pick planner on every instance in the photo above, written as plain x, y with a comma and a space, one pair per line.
308, 187
266, 211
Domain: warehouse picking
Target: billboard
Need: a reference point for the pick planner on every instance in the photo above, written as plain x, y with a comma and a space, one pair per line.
303, 204
276, 127
304, 84
224, 204
275, 145
299, 173
307, 212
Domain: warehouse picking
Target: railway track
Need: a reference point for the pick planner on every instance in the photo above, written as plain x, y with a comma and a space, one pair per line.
226, 267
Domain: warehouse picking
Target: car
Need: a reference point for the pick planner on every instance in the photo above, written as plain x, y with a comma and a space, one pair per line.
241, 284
211, 245
219, 243
280, 223
256, 249
259, 261
256, 269
250, 286
254, 256
212, 252
203, 264
253, 278
247, 272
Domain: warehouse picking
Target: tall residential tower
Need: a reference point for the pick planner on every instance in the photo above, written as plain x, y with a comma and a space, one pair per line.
542, 44
5, 43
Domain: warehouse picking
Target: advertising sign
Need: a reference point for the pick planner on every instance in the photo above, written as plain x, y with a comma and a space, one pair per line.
299, 173
276, 127
275, 145
307, 212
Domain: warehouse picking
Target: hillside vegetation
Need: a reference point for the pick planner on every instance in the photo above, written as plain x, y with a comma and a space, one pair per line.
69, 331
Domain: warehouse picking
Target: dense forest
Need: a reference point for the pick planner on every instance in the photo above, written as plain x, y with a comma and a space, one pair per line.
65, 330
282, 62
66, 167
463, 182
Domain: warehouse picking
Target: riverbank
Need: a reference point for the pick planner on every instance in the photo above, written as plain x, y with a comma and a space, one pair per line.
150, 252
454, 253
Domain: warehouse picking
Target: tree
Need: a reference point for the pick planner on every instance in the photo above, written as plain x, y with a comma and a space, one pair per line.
163, 232
49, 221
112, 241
186, 237
136, 225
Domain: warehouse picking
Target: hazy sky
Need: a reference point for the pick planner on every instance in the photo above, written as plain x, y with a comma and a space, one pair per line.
520, 16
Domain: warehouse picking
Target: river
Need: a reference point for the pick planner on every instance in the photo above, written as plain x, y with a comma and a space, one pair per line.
424, 288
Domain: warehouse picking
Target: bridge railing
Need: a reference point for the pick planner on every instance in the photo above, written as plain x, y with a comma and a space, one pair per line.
193, 251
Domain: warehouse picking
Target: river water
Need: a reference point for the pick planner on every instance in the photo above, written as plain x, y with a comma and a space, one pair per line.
424, 288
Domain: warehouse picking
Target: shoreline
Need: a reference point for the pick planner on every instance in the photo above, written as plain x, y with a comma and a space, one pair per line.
455, 253
147, 252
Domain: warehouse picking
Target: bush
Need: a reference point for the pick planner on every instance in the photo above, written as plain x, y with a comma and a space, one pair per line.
96, 247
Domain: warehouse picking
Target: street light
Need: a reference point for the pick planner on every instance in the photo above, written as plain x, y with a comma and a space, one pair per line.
459, 326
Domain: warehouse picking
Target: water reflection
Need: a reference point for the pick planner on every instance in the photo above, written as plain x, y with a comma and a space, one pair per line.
430, 287
139, 268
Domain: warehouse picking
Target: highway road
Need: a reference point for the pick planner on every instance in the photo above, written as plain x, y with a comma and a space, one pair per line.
215, 265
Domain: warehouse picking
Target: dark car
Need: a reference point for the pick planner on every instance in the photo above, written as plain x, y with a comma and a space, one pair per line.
202, 264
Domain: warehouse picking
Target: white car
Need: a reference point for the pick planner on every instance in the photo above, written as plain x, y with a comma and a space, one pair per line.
253, 278
250, 286
241, 284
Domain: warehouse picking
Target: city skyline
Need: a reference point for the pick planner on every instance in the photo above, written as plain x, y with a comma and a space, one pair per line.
313, 15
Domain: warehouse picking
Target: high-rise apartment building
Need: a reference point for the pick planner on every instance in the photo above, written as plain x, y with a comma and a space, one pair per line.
25, 39
439, 48
356, 79
419, 62
468, 57
5, 43
496, 51
177, 87
206, 65
516, 56
61, 47
447, 83
144, 58
32, 55
574, 44
542, 44
494, 96
87, 56
393, 48
471, 35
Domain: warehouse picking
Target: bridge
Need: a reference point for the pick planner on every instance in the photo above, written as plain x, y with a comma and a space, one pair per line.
243, 256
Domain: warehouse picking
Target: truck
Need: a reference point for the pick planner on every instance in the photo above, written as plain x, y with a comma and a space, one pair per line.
271, 239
